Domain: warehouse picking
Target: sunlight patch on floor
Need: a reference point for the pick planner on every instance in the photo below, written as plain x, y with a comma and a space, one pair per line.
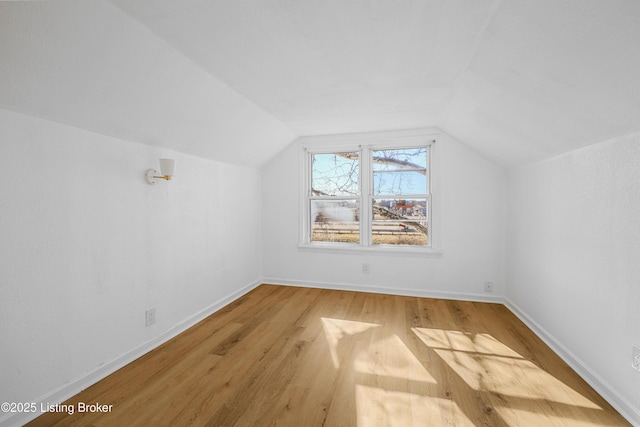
486, 364
389, 356
336, 329
379, 407
461, 341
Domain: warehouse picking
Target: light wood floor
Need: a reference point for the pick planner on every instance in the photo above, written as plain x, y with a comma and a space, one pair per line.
308, 357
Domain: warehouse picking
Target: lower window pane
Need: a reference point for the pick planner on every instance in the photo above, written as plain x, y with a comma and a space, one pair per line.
400, 222
335, 221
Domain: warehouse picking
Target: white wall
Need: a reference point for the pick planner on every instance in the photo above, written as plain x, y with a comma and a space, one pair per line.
472, 230
87, 245
574, 259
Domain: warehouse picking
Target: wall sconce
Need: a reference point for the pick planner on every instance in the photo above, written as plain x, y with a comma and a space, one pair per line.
167, 166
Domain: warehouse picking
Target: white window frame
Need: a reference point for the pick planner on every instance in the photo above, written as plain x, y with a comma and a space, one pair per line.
365, 144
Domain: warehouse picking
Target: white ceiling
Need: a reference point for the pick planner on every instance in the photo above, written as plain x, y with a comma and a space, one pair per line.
237, 80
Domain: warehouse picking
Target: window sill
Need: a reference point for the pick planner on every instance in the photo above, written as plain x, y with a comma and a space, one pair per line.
377, 250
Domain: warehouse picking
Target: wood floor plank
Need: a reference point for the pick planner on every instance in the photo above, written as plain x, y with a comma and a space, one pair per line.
292, 356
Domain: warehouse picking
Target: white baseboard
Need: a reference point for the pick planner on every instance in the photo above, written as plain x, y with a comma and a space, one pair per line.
67, 391
626, 409
460, 296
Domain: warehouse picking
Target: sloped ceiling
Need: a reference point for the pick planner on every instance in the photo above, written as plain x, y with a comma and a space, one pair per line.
89, 65
237, 80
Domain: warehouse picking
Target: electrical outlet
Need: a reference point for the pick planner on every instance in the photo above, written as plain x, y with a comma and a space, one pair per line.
150, 316
488, 286
366, 268
635, 358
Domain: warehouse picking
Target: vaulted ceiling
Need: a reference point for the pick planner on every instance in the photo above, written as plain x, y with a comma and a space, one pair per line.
237, 80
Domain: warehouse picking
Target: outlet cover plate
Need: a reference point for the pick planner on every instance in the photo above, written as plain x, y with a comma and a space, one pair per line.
635, 358
366, 268
150, 316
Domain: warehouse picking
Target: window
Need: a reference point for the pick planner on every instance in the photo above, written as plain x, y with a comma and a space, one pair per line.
370, 197
400, 199
334, 199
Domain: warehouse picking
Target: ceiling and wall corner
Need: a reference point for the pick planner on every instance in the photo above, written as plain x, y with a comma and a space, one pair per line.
550, 77
332, 66
89, 65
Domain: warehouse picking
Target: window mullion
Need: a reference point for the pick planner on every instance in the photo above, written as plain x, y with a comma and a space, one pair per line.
366, 180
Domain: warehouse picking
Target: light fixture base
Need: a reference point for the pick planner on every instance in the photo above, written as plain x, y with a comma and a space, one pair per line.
149, 175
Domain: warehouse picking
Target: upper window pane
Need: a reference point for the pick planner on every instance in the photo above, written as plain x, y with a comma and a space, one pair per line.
401, 171
335, 174
400, 159
399, 183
